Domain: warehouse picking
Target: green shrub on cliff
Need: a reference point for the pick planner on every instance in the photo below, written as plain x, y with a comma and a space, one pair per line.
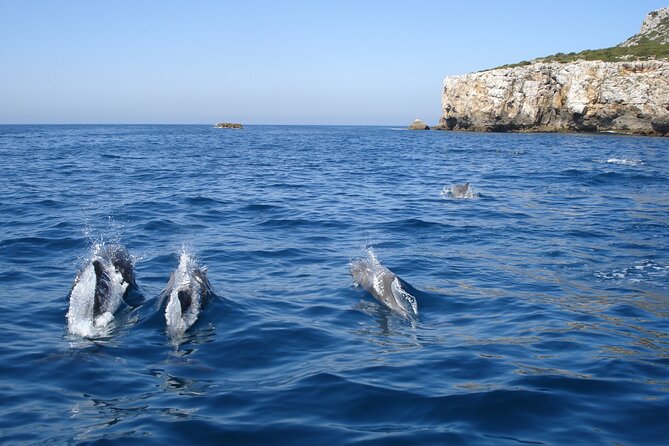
647, 50
652, 42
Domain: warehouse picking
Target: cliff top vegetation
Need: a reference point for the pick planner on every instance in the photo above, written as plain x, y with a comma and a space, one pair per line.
651, 43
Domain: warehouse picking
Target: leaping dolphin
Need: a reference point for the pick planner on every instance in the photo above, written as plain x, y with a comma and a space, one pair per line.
383, 284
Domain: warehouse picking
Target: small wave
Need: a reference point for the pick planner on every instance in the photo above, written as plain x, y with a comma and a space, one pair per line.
287, 186
646, 271
574, 172
623, 161
618, 177
286, 222
512, 152
163, 224
282, 253
29, 245
257, 207
303, 222
413, 224
200, 200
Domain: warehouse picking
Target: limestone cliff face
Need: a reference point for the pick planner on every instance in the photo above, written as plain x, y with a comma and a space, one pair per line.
628, 97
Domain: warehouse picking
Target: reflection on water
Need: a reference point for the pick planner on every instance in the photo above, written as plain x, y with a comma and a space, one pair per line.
181, 386
114, 419
193, 337
385, 328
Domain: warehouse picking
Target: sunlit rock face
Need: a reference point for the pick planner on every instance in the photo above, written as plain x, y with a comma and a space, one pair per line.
621, 94
630, 97
419, 125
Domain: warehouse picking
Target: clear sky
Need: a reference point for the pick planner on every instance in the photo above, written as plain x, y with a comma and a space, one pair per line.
275, 62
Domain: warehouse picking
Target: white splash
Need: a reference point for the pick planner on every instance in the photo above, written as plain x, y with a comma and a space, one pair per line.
646, 271
624, 162
377, 271
80, 318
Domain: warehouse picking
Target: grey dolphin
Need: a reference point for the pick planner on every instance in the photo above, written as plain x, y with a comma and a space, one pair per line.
123, 263
102, 287
383, 285
187, 292
99, 288
197, 288
118, 258
461, 190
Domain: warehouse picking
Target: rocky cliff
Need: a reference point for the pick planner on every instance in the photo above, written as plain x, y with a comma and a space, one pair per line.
624, 95
655, 28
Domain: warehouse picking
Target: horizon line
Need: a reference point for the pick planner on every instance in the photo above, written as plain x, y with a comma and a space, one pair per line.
205, 124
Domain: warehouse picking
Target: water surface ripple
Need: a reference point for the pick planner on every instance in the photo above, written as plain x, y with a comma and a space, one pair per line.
544, 301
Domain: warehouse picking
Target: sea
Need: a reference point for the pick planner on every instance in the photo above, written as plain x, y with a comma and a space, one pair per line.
542, 296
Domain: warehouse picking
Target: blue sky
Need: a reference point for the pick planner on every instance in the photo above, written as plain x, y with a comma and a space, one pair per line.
275, 62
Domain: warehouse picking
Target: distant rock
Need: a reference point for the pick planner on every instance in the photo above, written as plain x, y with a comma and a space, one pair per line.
228, 125
419, 125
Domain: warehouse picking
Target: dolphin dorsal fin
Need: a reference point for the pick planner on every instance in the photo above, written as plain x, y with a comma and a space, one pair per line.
185, 299
97, 266
101, 288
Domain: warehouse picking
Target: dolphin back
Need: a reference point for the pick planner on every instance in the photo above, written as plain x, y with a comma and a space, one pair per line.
102, 288
200, 276
185, 295
120, 258
99, 289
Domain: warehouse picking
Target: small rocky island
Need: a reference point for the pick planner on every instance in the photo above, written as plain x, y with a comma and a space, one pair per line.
620, 89
228, 125
419, 125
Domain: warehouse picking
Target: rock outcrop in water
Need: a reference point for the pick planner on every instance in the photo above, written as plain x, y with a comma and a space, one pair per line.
228, 125
622, 94
419, 125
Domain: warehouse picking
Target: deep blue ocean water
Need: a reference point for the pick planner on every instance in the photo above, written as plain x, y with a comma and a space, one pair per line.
543, 302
